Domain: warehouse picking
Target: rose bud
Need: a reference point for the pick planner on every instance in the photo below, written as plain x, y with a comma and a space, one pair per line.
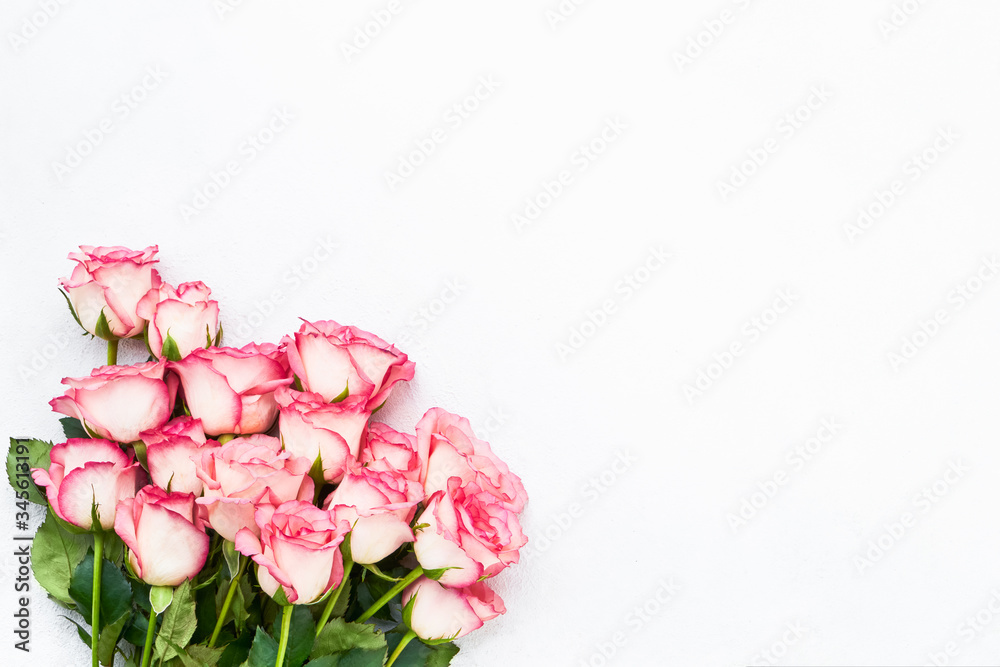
246, 472
298, 549
338, 361
312, 428
470, 530
232, 390
447, 443
170, 453
185, 314
120, 402
87, 475
439, 612
379, 505
166, 541
110, 280
398, 450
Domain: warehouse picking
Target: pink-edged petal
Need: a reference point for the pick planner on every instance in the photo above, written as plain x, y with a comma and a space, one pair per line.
208, 396
185, 558
375, 537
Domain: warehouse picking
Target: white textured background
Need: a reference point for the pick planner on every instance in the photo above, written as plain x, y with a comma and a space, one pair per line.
639, 553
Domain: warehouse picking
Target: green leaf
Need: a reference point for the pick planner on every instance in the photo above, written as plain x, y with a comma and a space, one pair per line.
417, 654
108, 639
344, 394
102, 329
340, 608
437, 573
56, 554
264, 652
218, 337
302, 631
135, 633
374, 569
206, 612
160, 598
179, 623
22, 456
170, 351
197, 656
72, 428
72, 310
338, 636
236, 652
325, 661
116, 593
361, 658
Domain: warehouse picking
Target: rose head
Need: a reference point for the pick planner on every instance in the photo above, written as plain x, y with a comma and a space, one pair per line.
312, 427
246, 472
439, 612
110, 280
185, 314
470, 530
88, 474
447, 443
397, 450
171, 451
298, 549
120, 402
166, 541
379, 506
336, 361
232, 390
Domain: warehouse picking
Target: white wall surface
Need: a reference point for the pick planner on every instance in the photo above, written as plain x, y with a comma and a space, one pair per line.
865, 550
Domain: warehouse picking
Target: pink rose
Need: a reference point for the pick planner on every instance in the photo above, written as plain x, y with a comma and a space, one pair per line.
337, 361
470, 530
230, 390
170, 453
246, 472
298, 549
166, 541
110, 280
379, 504
120, 402
447, 443
311, 427
439, 612
398, 450
185, 314
85, 474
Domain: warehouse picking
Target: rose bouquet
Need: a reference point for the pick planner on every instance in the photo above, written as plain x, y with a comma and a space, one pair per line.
229, 507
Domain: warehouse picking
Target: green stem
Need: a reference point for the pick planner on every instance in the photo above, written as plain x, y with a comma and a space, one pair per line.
233, 585
393, 592
95, 605
410, 634
348, 564
147, 651
113, 352
286, 624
